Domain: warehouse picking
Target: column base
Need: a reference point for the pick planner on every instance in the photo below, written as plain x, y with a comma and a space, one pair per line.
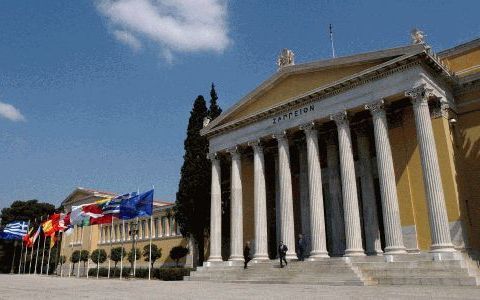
291, 256
354, 252
236, 258
395, 250
260, 258
317, 255
440, 248
214, 259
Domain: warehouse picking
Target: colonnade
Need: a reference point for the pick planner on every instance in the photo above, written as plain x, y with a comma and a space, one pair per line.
346, 229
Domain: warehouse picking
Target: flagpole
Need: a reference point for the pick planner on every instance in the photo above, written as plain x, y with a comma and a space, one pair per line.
121, 253
81, 247
90, 245
110, 258
49, 252
150, 252
14, 254
38, 245
31, 257
57, 253
20, 261
98, 254
26, 250
43, 252
71, 243
135, 254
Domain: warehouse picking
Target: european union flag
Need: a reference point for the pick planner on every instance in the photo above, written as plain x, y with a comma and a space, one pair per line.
137, 206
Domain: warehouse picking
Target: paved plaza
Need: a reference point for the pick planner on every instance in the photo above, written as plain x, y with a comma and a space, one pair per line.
41, 287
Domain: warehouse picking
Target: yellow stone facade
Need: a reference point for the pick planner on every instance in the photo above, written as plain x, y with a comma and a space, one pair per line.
456, 131
164, 230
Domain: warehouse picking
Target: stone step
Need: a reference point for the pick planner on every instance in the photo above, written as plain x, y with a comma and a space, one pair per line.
471, 281
291, 281
410, 265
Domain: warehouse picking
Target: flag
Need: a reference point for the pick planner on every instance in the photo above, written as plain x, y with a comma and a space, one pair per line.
113, 205
35, 236
137, 206
26, 239
53, 239
14, 230
77, 216
64, 222
92, 210
51, 225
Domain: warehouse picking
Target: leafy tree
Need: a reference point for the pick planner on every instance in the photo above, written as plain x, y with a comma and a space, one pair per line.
192, 205
26, 210
117, 254
156, 253
98, 256
75, 258
133, 255
214, 110
84, 256
177, 253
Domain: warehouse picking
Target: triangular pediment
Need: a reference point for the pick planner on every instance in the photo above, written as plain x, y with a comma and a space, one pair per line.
292, 81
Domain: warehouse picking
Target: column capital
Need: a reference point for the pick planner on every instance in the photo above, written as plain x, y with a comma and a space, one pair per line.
280, 136
340, 118
307, 127
419, 95
256, 145
376, 107
234, 152
212, 156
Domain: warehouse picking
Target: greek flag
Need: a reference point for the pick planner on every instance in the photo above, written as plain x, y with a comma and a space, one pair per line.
14, 230
113, 206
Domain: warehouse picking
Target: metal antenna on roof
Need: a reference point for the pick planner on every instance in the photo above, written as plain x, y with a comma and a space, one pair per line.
331, 41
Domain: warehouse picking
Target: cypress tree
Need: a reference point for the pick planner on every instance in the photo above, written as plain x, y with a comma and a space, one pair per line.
192, 205
214, 109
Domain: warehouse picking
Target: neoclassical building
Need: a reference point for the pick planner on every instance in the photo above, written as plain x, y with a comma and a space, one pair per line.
162, 228
370, 154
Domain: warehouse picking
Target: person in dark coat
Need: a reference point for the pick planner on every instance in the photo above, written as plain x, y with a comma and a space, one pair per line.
282, 252
301, 248
246, 254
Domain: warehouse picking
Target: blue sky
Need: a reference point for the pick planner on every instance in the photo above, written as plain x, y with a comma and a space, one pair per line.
98, 93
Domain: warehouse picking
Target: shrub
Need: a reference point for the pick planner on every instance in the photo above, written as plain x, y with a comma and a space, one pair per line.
177, 253
166, 274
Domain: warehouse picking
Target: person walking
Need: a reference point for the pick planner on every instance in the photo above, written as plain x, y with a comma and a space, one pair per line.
282, 252
246, 254
301, 248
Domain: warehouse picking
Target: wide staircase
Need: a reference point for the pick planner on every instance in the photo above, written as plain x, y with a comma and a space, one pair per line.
411, 269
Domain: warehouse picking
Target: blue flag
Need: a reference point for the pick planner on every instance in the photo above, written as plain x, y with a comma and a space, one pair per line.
137, 206
14, 230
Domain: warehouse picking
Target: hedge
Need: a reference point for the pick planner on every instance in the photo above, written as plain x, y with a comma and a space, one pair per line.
166, 274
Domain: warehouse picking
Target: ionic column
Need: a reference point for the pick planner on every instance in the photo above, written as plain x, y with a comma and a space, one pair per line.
304, 194
370, 220
317, 219
259, 203
386, 176
236, 213
353, 231
287, 233
337, 228
215, 211
437, 211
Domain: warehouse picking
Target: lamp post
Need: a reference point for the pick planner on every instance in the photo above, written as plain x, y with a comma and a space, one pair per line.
133, 233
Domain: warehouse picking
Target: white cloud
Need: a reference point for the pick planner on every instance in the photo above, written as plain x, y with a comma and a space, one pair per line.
174, 25
11, 113
128, 39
